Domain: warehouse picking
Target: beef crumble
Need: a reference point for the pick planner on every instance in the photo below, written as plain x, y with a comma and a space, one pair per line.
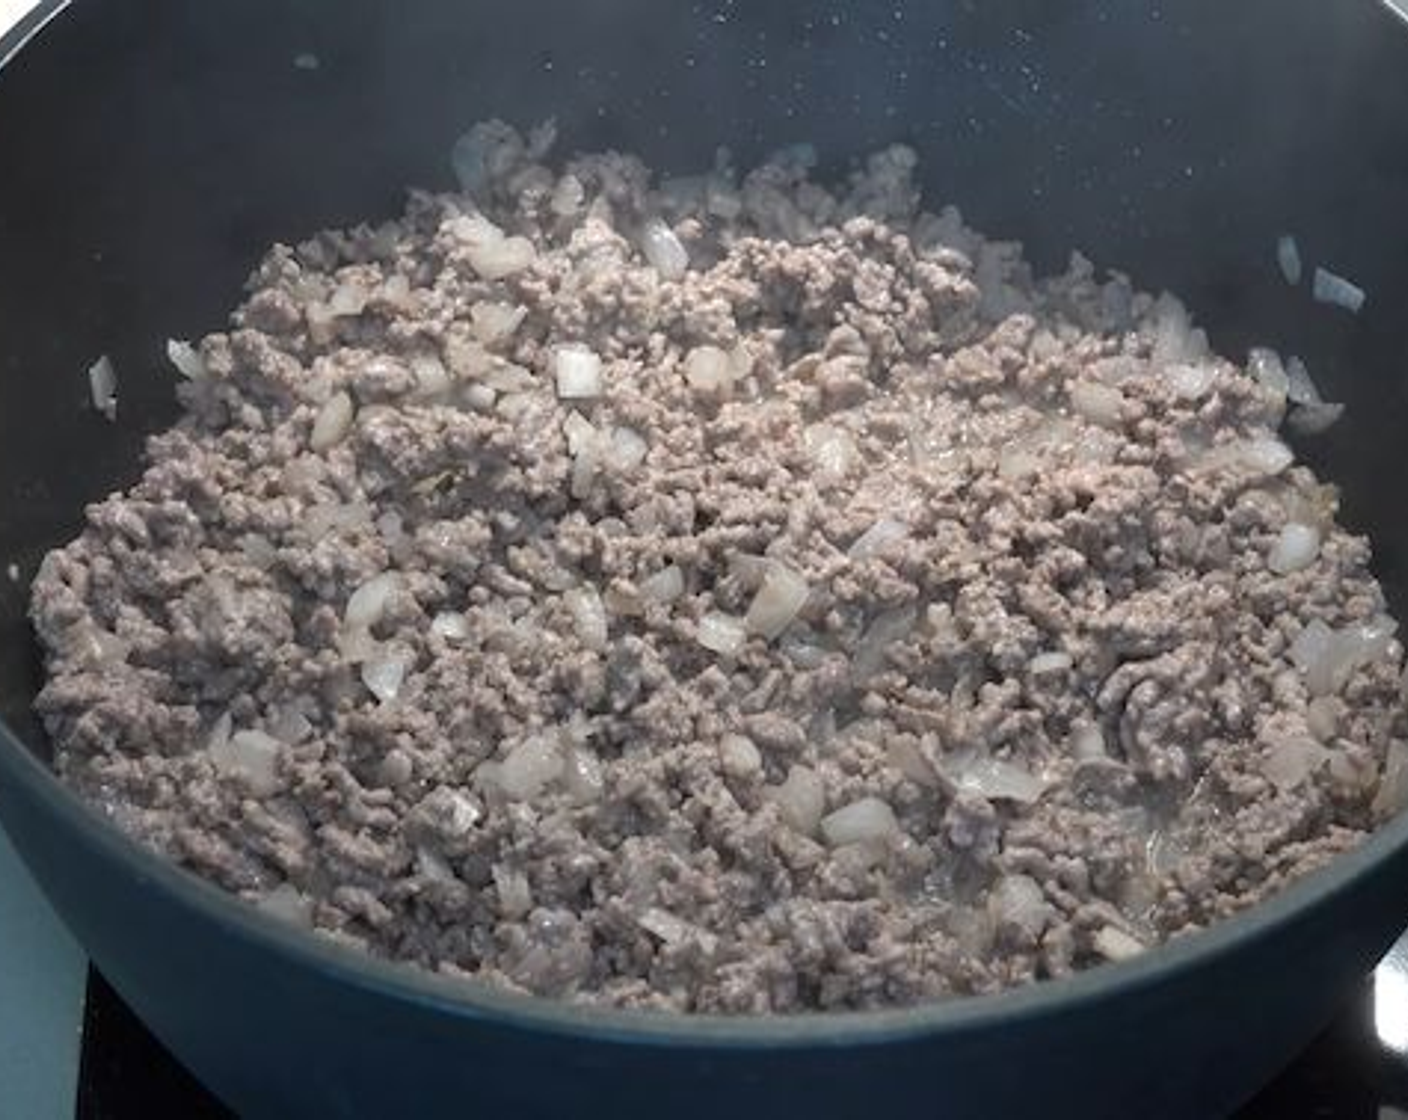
727, 596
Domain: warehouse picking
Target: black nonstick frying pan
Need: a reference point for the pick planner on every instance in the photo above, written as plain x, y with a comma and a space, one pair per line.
149, 152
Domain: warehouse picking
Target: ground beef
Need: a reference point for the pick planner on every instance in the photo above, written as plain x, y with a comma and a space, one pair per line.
727, 596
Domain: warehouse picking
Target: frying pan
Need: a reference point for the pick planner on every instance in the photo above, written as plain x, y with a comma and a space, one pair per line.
149, 152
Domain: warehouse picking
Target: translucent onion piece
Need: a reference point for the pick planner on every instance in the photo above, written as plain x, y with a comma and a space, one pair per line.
863, 820
722, 633
251, 757
1329, 287
778, 601
664, 586
577, 373
450, 625
187, 360
666, 254
530, 767
367, 604
384, 673
1288, 259
801, 799
1296, 548
102, 386
588, 615
333, 422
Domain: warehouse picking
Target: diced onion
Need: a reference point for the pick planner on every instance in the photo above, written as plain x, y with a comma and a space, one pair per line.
1322, 717
581, 435
673, 930
628, 449
480, 398
739, 757
396, 290
1288, 259
778, 601
909, 760
385, 673
479, 154
347, 302
514, 891
289, 725
287, 903
333, 422
450, 625
251, 757
878, 538
1329, 287
503, 258
1266, 369
1018, 901
664, 586
1265, 454
1328, 658
1190, 382
530, 767
583, 775
567, 196
1116, 945
469, 361
866, 819
432, 866
1175, 337
996, 780
1291, 762
492, 323
102, 386
1392, 795
663, 250
832, 450
886, 629
1100, 404
1312, 419
577, 371
584, 471
454, 812
432, 378
722, 633
367, 604
708, 370
490, 253
589, 616
801, 799
1300, 387
1296, 548
187, 360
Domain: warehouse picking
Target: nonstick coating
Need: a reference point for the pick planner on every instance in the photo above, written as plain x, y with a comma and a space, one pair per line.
149, 152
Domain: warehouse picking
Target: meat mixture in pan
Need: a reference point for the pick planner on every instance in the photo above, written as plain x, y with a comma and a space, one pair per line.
722, 595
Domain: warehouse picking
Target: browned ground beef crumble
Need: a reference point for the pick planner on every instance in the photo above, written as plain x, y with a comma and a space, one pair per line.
810, 611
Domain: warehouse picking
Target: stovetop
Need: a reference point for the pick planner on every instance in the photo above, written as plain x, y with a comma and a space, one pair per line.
70, 1048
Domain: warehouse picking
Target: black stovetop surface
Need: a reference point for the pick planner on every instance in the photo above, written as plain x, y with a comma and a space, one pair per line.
125, 1074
